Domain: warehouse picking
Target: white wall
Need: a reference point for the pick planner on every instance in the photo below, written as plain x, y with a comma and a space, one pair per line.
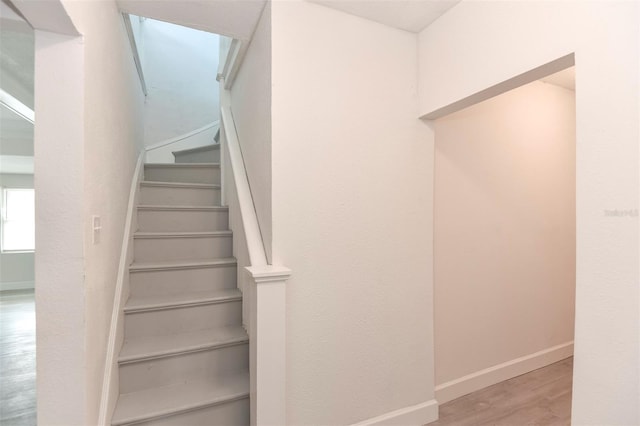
104, 102
504, 235
605, 39
180, 66
16, 269
163, 152
251, 108
60, 291
352, 207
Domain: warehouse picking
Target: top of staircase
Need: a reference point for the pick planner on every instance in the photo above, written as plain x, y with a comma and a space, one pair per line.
181, 165
204, 148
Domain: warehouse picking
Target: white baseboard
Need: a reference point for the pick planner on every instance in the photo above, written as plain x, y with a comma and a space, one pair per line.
490, 376
17, 285
415, 415
116, 330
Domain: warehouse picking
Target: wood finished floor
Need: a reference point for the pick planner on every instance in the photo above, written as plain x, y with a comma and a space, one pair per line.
541, 397
17, 359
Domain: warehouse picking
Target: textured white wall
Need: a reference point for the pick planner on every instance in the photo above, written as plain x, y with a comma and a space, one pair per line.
251, 107
352, 216
180, 66
504, 229
96, 93
606, 41
59, 175
16, 269
113, 139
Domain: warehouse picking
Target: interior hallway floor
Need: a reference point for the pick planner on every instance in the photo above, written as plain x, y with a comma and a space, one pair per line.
17, 359
541, 397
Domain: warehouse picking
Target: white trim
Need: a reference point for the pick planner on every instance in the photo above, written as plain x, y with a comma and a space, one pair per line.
234, 59
17, 285
135, 51
182, 137
17, 107
109, 382
267, 344
417, 415
233, 56
490, 376
253, 235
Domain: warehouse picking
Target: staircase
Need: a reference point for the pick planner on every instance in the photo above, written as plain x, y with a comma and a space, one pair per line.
185, 356
206, 153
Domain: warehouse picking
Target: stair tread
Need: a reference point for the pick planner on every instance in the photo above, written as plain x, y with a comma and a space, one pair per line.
183, 397
203, 148
185, 234
145, 303
157, 346
180, 184
141, 266
170, 207
181, 165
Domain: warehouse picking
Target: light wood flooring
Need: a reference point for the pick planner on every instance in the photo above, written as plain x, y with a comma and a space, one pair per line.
541, 397
17, 359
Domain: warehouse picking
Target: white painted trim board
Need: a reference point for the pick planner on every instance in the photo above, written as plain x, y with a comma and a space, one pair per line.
17, 285
498, 373
183, 136
415, 415
110, 383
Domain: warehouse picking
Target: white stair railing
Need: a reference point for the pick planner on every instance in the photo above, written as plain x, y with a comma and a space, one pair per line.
262, 285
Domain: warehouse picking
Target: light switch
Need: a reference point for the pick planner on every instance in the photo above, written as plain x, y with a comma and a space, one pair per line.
97, 227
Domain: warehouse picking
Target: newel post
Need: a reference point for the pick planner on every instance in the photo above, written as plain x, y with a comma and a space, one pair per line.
267, 342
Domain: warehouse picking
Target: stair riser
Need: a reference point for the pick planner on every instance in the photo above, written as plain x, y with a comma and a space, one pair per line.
160, 283
163, 249
187, 221
168, 196
183, 175
212, 365
212, 156
234, 413
182, 320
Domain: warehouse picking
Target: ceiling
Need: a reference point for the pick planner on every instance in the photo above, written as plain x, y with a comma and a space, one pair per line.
408, 15
16, 56
231, 18
16, 78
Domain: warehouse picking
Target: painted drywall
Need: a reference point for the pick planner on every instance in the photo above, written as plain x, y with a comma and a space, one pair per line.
180, 66
16, 269
59, 190
87, 171
605, 39
236, 19
113, 139
352, 207
163, 151
251, 108
504, 230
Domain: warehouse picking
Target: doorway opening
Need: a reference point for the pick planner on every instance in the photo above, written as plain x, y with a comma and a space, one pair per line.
505, 253
17, 221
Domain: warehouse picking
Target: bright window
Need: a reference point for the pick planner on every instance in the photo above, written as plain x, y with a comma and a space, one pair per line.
18, 220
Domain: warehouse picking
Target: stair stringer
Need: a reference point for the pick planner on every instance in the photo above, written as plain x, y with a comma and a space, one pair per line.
110, 381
